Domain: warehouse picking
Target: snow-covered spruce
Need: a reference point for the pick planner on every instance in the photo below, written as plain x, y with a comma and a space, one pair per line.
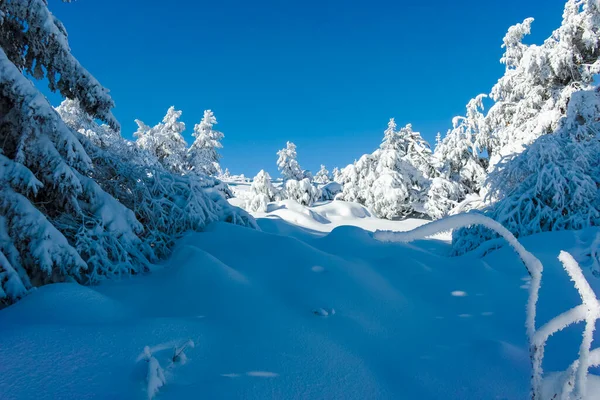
202, 155
262, 192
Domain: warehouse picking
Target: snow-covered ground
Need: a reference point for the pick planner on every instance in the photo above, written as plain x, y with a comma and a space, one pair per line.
311, 307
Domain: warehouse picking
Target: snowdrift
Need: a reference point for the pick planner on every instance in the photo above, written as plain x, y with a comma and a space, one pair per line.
303, 316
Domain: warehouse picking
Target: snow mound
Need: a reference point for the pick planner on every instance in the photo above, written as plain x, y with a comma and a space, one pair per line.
322, 316
49, 305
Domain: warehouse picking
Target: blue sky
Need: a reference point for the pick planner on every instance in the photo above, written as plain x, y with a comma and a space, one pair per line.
325, 74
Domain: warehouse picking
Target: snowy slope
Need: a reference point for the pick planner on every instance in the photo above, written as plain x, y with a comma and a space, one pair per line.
403, 321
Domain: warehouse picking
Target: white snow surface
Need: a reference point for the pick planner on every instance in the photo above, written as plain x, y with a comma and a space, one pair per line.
310, 307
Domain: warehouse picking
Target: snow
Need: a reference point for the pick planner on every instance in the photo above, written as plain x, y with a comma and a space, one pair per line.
310, 307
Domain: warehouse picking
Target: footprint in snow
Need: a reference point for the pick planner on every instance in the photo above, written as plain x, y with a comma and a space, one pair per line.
323, 312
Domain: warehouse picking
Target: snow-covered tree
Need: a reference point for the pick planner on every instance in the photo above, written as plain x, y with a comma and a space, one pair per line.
226, 175
202, 155
461, 168
443, 195
458, 156
72, 201
553, 184
387, 181
44, 184
75, 117
287, 163
541, 132
322, 176
262, 191
417, 151
165, 141
532, 96
302, 191
337, 175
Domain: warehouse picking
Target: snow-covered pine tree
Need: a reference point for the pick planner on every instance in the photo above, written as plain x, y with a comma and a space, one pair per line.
322, 176
202, 155
287, 163
262, 191
165, 141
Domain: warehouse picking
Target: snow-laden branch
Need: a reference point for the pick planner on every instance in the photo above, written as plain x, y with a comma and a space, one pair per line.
588, 311
577, 373
533, 265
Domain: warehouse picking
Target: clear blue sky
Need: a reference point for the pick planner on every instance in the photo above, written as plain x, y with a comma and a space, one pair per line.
325, 74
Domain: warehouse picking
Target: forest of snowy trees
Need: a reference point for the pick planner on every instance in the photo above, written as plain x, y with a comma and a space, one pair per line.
78, 201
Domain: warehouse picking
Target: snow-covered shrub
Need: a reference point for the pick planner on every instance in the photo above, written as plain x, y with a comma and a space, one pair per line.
262, 192
443, 196
287, 163
303, 191
155, 377
202, 155
179, 355
322, 176
330, 190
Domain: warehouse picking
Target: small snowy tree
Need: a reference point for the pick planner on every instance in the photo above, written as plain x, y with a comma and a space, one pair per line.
322, 176
165, 141
443, 196
417, 151
387, 181
337, 175
302, 191
202, 155
287, 163
262, 191
226, 175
